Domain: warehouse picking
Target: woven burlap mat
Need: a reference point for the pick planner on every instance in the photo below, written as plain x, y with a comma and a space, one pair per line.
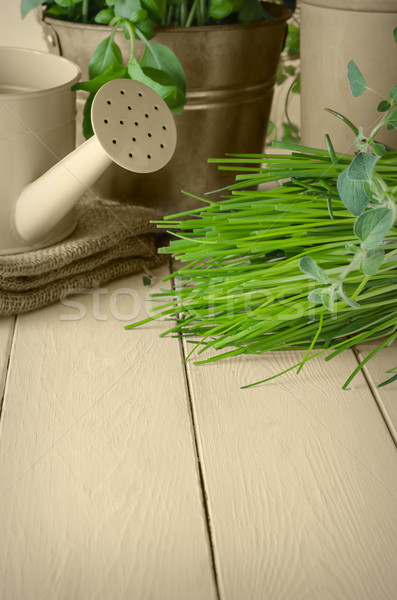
111, 240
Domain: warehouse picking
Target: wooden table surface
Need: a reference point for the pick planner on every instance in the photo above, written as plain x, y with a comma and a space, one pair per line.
126, 474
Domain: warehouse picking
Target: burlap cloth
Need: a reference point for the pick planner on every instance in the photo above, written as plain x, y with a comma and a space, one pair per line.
111, 240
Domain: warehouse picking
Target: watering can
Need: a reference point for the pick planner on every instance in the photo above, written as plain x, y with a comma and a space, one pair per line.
42, 176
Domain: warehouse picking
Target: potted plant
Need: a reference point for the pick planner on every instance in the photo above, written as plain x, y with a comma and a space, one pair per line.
229, 52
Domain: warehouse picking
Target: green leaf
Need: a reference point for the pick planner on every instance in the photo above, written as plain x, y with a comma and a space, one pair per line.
93, 85
371, 262
104, 16
344, 119
372, 226
393, 92
151, 77
395, 34
392, 120
352, 248
329, 297
309, 266
156, 8
220, 9
383, 106
357, 81
147, 28
158, 56
251, 10
87, 125
129, 9
107, 55
352, 193
362, 166
67, 3
315, 296
378, 149
28, 5
394, 377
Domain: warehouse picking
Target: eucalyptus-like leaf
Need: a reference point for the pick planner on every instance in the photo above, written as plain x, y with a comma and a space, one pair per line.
371, 261
378, 149
329, 296
352, 193
362, 166
392, 120
356, 79
309, 266
372, 226
315, 296
352, 248
383, 106
347, 299
107, 55
393, 92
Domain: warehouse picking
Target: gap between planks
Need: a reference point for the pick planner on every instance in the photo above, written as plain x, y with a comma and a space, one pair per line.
7, 331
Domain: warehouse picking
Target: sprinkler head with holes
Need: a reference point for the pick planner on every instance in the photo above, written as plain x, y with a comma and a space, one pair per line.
133, 127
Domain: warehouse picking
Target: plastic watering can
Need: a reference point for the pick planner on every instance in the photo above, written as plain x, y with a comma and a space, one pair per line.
41, 176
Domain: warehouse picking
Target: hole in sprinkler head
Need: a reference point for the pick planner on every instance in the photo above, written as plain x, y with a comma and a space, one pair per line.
161, 145
156, 108
149, 135
139, 94
164, 127
136, 123
109, 102
122, 92
114, 141
106, 121
134, 139
130, 155
149, 156
121, 122
146, 116
129, 107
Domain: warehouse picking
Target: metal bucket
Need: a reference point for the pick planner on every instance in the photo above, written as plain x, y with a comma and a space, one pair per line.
230, 72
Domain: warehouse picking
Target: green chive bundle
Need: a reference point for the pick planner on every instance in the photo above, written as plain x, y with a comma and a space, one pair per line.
241, 291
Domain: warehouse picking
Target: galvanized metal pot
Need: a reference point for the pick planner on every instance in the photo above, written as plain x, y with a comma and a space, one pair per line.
230, 72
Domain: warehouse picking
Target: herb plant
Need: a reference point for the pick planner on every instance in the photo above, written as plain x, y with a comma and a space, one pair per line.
159, 68
310, 265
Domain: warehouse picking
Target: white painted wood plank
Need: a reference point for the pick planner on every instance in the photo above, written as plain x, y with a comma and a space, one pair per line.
100, 494
376, 372
6, 333
301, 480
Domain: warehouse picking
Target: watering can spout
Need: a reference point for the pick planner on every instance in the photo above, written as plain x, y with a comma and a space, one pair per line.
133, 127
47, 201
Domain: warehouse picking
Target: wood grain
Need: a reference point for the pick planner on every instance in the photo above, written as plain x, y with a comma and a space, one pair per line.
301, 479
6, 333
376, 372
100, 494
